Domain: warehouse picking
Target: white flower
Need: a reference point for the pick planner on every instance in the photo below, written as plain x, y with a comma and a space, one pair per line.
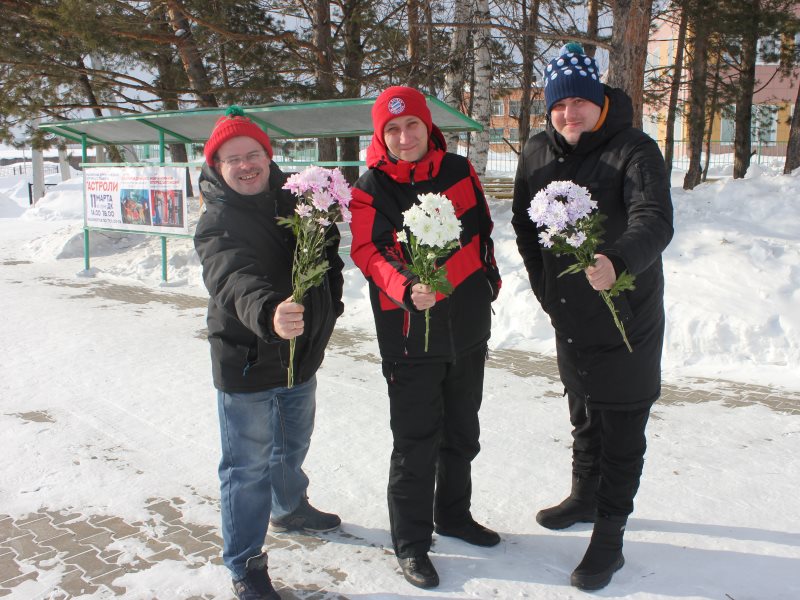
433, 221
402, 237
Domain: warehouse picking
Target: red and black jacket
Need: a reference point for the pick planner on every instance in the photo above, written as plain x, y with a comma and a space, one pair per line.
460, 322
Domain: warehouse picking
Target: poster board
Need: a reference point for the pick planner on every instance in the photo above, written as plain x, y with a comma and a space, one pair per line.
141, 199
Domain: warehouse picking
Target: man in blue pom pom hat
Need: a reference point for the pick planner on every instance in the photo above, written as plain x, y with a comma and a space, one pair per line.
265, 427
590, 140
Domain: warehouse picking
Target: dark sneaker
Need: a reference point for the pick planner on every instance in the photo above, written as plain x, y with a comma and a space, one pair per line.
472, 533
419, 571
256, 584
306, 518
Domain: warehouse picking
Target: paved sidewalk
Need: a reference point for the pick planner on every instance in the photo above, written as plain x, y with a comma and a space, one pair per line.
81, 552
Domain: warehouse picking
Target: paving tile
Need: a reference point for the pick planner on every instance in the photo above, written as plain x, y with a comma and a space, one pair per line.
119, 528
12, 583
9, 569
76, 583
9, 529
59, 518
82, 529
31, 518
166, 510
43, 529
106, 580
91, 563
26, 547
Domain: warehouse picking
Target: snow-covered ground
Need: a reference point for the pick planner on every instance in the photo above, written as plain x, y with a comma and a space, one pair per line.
131, 411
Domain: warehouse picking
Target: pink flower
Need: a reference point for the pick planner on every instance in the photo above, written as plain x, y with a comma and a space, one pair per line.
322, 200
304, 210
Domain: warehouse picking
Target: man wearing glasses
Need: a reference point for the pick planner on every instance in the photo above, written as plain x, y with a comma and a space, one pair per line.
265, 427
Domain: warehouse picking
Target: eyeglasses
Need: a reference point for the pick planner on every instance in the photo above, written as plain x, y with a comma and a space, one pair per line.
235, 161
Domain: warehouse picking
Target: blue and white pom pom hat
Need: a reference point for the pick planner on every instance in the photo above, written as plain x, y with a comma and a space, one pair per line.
572, 75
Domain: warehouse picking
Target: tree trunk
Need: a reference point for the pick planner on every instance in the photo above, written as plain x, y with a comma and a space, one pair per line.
592, 25
482, 90
429, 60
628, 52
793, 148
712, 110
190, 54
455, 76
744, 102
674, 92
326, 89
698, 90
351, 83
415, 70
530, 21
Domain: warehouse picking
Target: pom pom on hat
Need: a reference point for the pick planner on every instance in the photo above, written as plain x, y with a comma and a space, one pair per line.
572, 74
234, 124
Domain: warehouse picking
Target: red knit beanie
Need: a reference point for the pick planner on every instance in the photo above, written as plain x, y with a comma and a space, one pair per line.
234, 124
399, 101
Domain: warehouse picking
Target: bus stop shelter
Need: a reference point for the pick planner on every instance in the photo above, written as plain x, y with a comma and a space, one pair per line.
289, 121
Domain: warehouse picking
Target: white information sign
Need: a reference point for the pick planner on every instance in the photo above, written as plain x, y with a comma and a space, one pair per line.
145, 199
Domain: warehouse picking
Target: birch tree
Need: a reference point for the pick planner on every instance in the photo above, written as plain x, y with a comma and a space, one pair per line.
482, 89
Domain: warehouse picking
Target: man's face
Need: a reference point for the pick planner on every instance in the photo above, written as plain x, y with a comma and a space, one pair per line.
572, 116
244, 165
406, 138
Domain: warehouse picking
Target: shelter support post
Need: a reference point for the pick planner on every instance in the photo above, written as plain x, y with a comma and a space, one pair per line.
163, 258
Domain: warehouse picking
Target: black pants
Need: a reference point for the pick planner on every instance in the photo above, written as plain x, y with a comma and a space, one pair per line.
611, 444
434, 420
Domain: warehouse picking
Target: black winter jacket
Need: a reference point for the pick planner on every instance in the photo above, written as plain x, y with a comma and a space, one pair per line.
460, 322
623, 169
247, 264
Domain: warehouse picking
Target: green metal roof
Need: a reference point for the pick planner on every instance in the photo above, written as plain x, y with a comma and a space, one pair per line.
329, 118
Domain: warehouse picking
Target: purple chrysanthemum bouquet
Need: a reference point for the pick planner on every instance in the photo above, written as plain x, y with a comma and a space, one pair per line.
323, 198
566, 211
433, 232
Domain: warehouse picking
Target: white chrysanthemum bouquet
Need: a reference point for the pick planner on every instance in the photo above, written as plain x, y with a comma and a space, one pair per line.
566, 211
433, 232
323, 198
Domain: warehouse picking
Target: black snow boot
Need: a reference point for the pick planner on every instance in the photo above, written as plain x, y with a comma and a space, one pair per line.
604, 557
579, 507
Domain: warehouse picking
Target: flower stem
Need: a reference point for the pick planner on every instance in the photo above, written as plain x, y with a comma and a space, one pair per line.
427, 326
607, 299
290, 370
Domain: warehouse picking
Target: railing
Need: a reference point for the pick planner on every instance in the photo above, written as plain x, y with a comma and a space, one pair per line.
502, 159
25, 168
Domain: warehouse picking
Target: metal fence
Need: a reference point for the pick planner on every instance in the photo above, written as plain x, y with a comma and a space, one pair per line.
25, 168
502, 159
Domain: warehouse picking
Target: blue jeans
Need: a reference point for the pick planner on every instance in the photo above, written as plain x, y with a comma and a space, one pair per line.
265, 438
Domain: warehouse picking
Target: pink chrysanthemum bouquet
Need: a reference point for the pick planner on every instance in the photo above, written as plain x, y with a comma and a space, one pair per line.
323, 198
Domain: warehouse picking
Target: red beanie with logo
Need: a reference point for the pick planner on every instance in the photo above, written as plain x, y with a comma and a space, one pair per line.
399, 101
234, 124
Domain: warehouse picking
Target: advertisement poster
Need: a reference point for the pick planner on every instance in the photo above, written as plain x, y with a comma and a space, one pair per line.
144, 199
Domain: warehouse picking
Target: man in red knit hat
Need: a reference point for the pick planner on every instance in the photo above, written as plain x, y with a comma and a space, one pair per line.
265, 427
435, 391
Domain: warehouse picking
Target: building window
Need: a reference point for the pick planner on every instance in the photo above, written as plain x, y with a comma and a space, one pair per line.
727, 125
495, 135
537, 107
513, 135
768, 52
764, 126
513, 108
497, 108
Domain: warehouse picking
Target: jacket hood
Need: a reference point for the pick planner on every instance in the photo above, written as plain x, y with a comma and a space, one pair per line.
618, 117
402, 171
